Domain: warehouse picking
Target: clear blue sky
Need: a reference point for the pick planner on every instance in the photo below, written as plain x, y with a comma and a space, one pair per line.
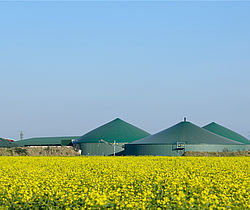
66, 68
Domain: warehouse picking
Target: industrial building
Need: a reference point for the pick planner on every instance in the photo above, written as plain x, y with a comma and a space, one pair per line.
109, 139
118, 137
47, 141
225, 132
184, 136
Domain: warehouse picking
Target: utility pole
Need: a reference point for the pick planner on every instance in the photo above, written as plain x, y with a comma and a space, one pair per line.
21, 135
114, 146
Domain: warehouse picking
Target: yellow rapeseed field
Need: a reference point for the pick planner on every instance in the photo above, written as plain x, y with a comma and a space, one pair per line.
124, 182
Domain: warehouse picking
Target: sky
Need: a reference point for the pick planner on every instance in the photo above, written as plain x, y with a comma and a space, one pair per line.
68, 67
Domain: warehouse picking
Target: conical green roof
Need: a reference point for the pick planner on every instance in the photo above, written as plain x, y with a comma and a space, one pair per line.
116, 130
6, 143
225, 132
185, 132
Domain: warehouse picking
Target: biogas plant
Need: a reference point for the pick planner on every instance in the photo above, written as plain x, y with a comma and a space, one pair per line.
118, 137
186, 136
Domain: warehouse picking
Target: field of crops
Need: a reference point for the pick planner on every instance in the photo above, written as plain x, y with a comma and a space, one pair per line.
124, 182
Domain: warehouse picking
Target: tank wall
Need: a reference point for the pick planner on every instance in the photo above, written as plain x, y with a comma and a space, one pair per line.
155, 150
215, 148
100, 149
248, 147
170, 150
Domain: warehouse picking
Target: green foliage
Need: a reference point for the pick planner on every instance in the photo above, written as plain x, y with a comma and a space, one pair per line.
20, 151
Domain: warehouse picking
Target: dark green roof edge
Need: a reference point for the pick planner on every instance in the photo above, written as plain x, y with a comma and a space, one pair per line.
40, 141
116, 130
226, 132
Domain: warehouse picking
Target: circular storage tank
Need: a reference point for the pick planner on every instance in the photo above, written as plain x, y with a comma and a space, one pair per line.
184, 136
225, 132
109, 139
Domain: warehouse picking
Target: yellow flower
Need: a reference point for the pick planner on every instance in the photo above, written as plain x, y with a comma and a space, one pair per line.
124, 182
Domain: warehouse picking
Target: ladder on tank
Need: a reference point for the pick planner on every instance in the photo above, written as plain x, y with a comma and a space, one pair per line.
180, 147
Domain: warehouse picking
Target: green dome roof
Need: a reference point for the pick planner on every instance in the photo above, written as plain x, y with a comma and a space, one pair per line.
116, 130
225, 132
185, 132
